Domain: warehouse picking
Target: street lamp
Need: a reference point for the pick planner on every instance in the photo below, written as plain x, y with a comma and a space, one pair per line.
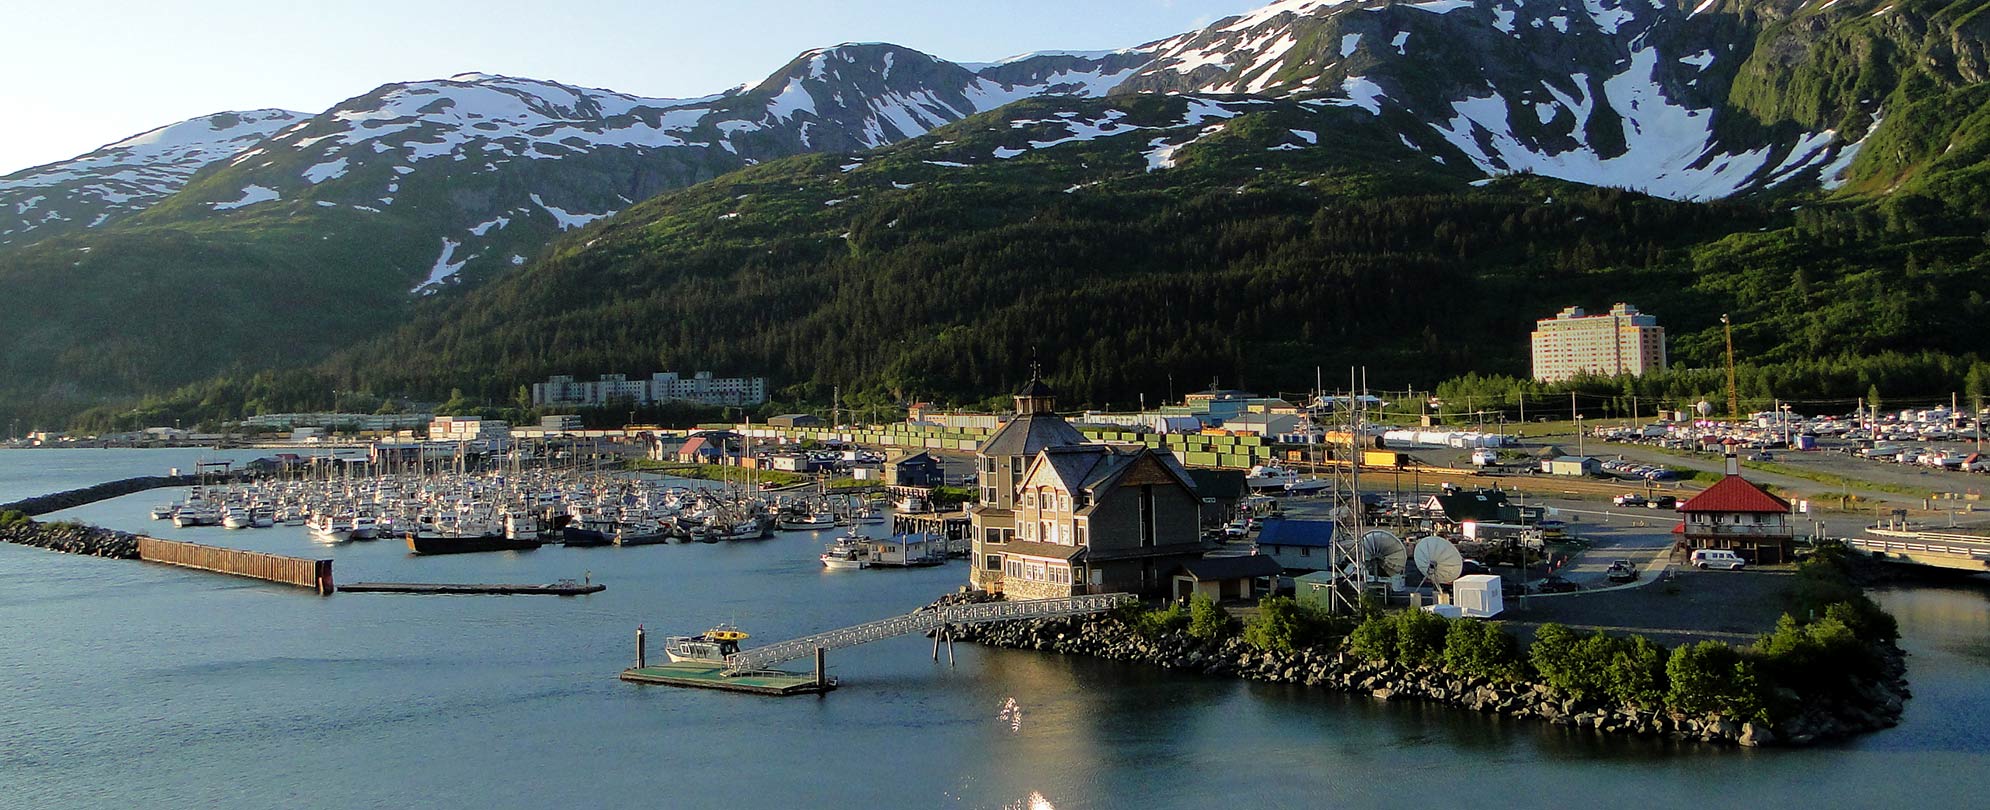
1578, 434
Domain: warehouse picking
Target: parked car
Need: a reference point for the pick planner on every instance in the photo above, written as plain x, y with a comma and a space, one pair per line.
1475, 567
1621, 571
1705, 558
1629, 499
1556, 584
1663, 502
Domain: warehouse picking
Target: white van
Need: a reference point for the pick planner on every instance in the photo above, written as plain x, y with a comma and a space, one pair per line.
1717, 558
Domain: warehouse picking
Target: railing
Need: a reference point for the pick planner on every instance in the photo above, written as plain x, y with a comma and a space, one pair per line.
1920, 544
921, 621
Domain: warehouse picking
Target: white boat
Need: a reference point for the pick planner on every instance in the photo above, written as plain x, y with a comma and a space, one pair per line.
846, 554
262, 517
912, 504
162, 512
1307, 486
365, 527
1270, 476
816, 521
712, 645
325, 527
195, 515
235, 517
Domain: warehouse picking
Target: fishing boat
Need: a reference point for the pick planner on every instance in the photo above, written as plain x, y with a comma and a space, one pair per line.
434, 542
234, 517
262, 517
364, 527
163, 512
848, 553
712, 645
641, 533
1307, 486
812, 522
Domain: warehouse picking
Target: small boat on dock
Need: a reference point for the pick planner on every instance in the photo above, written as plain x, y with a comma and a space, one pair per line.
712, 645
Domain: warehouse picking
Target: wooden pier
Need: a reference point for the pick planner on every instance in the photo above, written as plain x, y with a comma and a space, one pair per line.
303, 573
568, 588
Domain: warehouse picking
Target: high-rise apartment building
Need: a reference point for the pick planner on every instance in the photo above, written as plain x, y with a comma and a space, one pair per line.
1621, 341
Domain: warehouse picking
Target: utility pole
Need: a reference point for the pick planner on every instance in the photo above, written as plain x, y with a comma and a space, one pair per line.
1977, 418
1733, 396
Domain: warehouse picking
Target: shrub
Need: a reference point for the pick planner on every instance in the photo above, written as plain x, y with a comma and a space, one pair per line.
1206, 619
1481, 650
1713, 677
1420, 638
1374, 638
12, 517
1283, 624
1628, 670
1824, 655
1866, 619
1637, 673
1154, 623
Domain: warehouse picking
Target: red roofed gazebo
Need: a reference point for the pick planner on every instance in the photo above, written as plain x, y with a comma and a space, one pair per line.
1737, 515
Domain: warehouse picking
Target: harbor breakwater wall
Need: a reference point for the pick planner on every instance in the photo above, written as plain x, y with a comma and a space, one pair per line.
314, 574
94, 541
70, 499
1877, 705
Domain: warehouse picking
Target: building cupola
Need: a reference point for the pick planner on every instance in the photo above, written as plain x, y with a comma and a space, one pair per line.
1035, 397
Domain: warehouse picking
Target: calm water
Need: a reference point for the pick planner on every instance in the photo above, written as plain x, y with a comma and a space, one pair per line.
128, 683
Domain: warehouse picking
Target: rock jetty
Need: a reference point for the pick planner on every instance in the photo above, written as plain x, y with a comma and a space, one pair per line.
1875, 705
72, 538
70, 499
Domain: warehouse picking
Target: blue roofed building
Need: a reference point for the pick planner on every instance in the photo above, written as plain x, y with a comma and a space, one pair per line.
1297, 545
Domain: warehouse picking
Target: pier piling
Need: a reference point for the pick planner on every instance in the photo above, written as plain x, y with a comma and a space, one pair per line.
821, 669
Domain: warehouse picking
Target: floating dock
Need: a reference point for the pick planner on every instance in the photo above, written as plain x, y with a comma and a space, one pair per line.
711, 675
555, 589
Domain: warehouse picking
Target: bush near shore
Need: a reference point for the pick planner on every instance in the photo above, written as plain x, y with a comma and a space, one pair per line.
1829, 669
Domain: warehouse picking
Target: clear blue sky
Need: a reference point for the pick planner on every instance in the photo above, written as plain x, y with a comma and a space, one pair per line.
79, 75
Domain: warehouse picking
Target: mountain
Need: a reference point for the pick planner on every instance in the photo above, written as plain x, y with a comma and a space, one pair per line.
1844, 133
119, 179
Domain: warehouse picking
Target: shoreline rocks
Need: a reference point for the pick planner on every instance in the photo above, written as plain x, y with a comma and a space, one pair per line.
72, 538
70, 499
1876, 705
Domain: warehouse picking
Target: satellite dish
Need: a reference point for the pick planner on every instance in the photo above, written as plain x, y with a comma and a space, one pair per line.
1438, 560
1384, 552
1704, 408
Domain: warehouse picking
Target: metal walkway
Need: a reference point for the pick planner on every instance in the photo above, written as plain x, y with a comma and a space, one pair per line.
920, 621
1963, 552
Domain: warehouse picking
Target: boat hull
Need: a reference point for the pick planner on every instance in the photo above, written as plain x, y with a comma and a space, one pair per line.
467, 544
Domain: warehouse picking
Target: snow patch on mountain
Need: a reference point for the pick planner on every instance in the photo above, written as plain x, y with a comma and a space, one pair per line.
251, 195
442, 270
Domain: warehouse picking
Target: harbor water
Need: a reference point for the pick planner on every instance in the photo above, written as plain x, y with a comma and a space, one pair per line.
134, 684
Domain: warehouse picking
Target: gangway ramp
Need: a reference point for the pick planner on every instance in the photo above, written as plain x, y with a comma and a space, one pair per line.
921, 621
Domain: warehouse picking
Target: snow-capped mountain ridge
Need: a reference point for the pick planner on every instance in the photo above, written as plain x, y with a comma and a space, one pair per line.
121, 178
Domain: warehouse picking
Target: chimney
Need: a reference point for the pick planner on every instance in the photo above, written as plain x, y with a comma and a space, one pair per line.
1733, 463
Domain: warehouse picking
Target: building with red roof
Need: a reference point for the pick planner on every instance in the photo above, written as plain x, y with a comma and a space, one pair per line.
1737, 515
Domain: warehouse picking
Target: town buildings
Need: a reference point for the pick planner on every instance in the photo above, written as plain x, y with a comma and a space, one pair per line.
491, 433
1621, 341
701, 388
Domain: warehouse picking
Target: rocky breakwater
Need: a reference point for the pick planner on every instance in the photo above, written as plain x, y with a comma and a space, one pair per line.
70, 499
68, 538
1334, 665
